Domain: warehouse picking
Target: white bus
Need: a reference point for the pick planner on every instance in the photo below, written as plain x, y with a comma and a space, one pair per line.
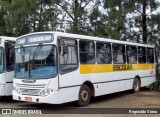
56, 67
7, 50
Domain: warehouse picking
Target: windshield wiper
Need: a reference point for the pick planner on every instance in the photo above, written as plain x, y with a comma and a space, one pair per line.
36, 51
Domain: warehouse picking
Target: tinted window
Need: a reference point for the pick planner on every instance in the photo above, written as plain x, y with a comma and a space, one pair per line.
118, 53
142, 55
68, 55
87, 52
131, 52
103, 52
10, 55
150, 55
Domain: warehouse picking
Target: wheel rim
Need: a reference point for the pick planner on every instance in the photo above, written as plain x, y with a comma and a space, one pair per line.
136, 86
84, 95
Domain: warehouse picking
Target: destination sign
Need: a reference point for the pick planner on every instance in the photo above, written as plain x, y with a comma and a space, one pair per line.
35, 38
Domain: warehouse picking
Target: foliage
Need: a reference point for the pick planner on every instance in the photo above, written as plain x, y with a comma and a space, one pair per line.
24, 16
76, 15
128, 20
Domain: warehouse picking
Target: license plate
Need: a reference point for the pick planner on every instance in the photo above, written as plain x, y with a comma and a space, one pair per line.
28, 99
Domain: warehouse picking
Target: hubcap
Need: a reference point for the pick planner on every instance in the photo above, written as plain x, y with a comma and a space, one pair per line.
136, 86
84, 95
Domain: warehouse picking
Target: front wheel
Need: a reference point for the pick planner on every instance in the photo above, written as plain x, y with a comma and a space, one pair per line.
84, 96
136, 85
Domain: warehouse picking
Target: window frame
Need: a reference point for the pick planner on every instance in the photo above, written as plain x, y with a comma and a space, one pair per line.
152, 55
136, 54
142, 55
108, 43
119, 54
94, 53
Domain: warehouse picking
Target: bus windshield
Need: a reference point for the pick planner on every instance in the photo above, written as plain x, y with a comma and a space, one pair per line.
1, 59
36, 62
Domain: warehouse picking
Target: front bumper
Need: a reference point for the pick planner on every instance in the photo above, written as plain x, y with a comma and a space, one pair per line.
50, 99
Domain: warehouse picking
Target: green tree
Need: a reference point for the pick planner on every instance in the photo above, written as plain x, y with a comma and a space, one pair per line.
24, 16
75, 14
98, 23
145, 19
117, 11
2, 21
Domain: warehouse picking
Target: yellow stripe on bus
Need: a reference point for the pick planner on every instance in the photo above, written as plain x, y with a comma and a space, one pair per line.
101, 68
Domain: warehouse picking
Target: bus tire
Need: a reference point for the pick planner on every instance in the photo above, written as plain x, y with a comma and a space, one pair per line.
136, 85
84, 96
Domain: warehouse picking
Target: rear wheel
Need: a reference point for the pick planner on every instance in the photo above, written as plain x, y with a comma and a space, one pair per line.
136, 85
84, 96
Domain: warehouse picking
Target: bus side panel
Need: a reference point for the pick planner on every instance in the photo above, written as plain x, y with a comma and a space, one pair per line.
2, 84
147, 81
2, 78
109, 87
69, 79
2, 89
9, 76
110, 82
101, 89
116, 86
8, 89
129, 84
9, 83
69, 85
68, 94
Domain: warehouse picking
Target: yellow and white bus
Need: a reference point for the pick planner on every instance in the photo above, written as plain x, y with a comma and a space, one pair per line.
56, 67
7, 46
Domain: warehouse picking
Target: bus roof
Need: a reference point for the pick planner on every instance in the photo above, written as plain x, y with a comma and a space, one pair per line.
85, 37
8, 38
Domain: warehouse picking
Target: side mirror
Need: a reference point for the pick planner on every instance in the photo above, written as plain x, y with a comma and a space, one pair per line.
65, 49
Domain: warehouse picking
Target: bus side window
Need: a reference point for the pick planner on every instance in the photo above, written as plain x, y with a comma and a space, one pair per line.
141, 54
10, 55
150, 55
67, 55
119, 54
131, 52
103, 52
87, 52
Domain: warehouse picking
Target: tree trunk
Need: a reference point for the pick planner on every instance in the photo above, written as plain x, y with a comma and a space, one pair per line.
75, 20
144, 22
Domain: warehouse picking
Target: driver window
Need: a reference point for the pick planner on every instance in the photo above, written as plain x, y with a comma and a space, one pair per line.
67, 55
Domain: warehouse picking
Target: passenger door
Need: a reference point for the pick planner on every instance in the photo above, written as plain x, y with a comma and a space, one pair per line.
9, 65
69, 80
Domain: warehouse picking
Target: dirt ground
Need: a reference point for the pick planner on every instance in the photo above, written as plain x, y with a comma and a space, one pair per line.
99, 106
144, 99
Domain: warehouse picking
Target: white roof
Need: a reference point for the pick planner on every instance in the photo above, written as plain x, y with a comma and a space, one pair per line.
77, 36
8, 38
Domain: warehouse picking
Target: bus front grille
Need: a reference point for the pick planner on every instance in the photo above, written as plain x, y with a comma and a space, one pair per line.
33, 86
33, 92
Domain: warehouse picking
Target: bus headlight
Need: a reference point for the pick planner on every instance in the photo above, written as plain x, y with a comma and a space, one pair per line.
46, 92
16, 90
